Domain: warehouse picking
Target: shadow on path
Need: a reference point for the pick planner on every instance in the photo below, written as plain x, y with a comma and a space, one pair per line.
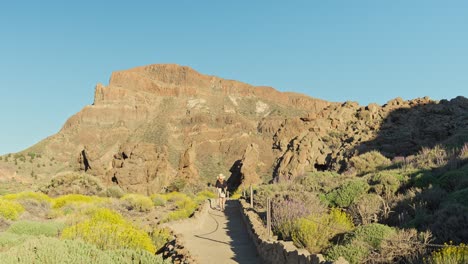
223, 238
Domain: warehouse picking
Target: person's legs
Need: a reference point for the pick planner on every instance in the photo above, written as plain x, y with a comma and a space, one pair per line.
223, 201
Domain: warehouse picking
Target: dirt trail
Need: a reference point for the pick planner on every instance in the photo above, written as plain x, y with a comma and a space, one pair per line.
220, 238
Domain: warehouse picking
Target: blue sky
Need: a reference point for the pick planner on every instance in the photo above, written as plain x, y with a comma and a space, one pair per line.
52, 53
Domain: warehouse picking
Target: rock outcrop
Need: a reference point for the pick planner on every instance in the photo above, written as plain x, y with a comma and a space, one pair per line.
328, 139
187, 168
140, 168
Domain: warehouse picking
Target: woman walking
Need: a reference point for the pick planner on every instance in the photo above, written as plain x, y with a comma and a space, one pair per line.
221, 185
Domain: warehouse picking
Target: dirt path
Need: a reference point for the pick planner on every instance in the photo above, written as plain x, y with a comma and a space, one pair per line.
221, 238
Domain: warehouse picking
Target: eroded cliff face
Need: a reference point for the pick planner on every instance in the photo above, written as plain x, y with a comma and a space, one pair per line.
146, 109
157, 123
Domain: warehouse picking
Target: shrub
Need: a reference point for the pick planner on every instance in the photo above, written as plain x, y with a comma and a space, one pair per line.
177, 185
158, 200
423, 179
8, 239
314, 232
108, 230
372, 234
366, 209
346, 194
321, 181
284, 212
114, 192
454, 180
450, 223
37, 196
386, 182
431, 158
175, 196
185, 208
358, 244
460, 196
10, 209
369, 162
450, 254
160, 236
127, 256
353, 253
74, 199
206, 194
73, 183
36, 228
55, 251
138, 202
463, 154
405, 246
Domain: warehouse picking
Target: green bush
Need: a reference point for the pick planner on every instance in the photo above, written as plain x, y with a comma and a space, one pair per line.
353, 253
423, 179
321, 181
138, 202
346, 194
386, 182
114, 192
454, 180
108, 230
8, 239
158, 200
10, 209
369, 162
55, 251
460, 196
366, 209
36, 228
359, 243
314, 232
372, 234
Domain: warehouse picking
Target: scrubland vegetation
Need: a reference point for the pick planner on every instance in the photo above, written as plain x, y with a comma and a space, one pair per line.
75, 228
379, 210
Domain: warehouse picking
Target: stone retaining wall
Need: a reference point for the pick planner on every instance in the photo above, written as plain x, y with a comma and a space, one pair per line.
272, 250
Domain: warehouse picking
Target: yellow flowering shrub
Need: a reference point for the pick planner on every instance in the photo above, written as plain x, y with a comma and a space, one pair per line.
37, 196
138, 202
450, 254
108, 230
314, 232
64, 200
10, 209
185, 208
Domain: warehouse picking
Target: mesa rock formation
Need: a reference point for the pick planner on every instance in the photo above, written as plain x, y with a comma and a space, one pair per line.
157, 123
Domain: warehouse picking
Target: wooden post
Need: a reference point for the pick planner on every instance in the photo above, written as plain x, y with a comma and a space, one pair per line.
251, 196
269, 217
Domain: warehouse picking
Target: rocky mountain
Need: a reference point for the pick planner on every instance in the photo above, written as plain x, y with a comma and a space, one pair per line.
156, 124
